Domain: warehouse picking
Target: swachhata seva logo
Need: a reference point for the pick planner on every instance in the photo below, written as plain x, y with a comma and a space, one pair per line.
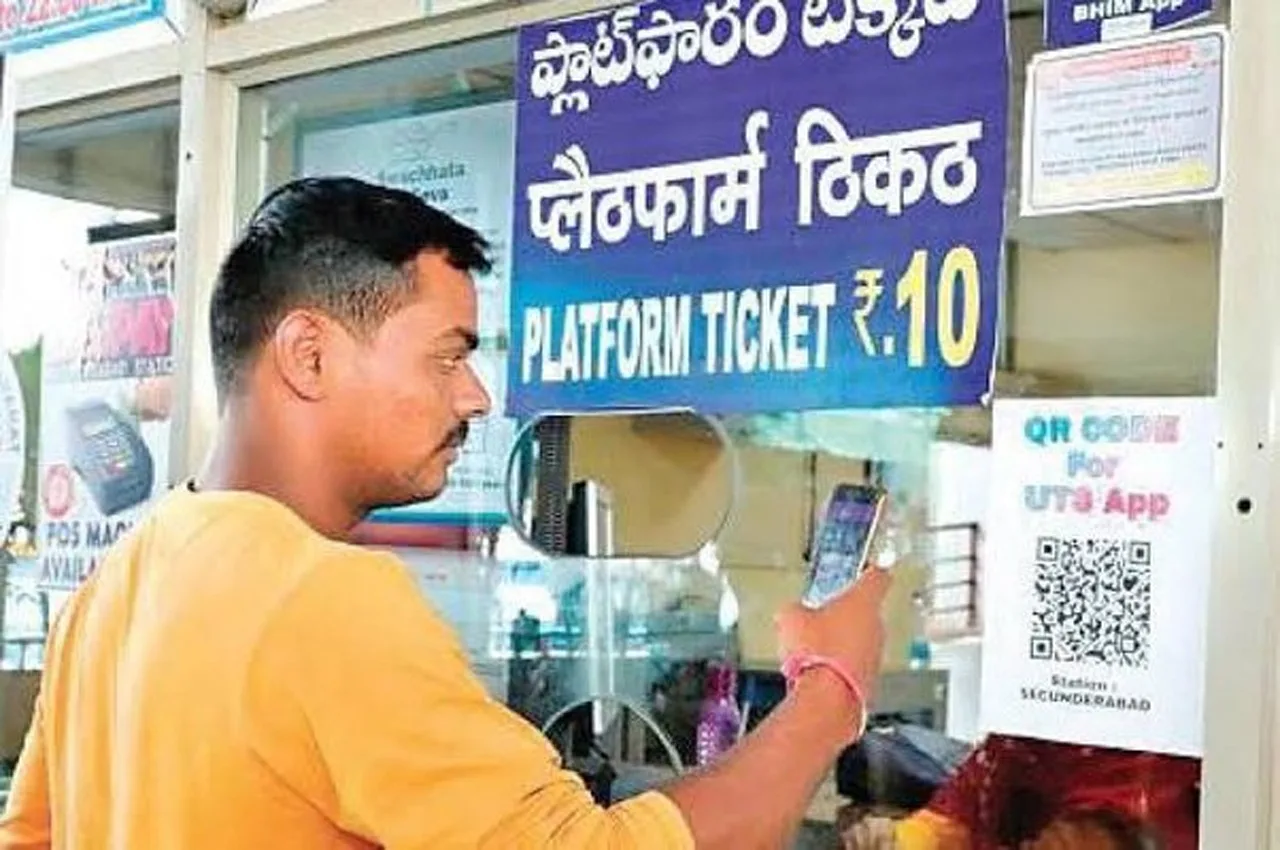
12, 440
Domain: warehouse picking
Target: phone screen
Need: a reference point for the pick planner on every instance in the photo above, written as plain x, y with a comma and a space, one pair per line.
844, 541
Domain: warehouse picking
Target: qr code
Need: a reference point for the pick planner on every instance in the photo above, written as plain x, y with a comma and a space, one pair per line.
1092, 602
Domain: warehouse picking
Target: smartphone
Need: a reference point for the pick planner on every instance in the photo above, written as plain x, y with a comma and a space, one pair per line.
844, 542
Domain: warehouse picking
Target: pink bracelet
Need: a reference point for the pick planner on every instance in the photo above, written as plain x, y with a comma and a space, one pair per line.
798, 663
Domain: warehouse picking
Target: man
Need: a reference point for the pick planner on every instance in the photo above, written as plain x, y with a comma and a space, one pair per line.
235, 676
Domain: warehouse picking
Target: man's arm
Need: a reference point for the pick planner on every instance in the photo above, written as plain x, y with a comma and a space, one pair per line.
759, 794
361, 699
27, 822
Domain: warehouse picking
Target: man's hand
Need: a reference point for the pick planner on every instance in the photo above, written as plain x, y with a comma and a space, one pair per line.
759, 793
849, 628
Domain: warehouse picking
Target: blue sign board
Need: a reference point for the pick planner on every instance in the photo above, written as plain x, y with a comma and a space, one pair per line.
755, 205
28, 24
1069, 23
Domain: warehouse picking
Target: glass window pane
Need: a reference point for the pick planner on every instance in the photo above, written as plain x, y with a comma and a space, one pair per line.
1097, 306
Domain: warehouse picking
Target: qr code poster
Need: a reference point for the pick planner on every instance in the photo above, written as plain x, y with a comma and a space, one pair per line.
1097, 573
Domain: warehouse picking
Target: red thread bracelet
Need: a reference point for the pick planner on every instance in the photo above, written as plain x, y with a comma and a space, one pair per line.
798, 663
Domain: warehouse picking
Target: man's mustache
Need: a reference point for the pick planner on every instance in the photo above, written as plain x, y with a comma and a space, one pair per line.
457, 436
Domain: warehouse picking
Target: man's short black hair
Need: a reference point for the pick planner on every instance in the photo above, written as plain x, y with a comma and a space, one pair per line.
334, 244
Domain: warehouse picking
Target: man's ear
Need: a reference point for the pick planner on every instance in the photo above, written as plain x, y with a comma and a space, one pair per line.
298, 351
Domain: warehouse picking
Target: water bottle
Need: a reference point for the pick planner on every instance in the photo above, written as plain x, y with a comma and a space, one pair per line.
719, 719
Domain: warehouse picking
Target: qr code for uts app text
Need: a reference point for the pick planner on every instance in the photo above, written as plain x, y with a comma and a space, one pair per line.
1092, 602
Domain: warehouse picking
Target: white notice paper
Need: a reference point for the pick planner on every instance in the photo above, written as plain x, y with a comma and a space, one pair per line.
1133, 124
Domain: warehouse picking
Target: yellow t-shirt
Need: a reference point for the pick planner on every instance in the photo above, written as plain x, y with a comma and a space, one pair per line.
228, 678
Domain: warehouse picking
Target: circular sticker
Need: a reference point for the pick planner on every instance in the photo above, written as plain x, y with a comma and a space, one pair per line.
58, 490
13, 425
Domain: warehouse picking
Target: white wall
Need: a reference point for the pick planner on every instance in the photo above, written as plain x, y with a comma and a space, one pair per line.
959, 482
1139, 319
962, 659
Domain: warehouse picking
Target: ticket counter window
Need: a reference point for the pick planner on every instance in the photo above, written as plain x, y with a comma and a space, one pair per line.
613, 575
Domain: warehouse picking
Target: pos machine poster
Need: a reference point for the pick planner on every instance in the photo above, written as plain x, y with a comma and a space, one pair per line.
105, 404
1098, 572
759, 205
